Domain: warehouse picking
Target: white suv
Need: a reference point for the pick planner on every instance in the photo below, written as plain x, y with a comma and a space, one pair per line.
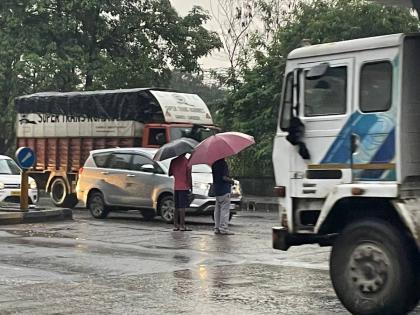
128, 178
10, 180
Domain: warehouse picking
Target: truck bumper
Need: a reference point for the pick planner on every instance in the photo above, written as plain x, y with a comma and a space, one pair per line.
282, 239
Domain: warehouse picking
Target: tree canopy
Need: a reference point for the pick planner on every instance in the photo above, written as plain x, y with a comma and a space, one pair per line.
61, 45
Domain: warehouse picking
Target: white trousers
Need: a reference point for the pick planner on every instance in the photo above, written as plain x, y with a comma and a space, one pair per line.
221, 212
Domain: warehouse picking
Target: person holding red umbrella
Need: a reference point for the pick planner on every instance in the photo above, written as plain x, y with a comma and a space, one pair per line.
222, 188
213, 151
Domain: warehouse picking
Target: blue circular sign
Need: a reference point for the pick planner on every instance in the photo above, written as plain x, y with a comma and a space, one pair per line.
25, 157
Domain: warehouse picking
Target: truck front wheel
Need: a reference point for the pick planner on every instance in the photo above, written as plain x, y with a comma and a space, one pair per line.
60, 196
372, 269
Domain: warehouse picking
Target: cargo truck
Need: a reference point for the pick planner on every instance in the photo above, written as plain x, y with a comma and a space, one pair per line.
347, 166
62, 128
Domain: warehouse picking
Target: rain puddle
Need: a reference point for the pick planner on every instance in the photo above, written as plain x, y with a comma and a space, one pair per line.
31, 233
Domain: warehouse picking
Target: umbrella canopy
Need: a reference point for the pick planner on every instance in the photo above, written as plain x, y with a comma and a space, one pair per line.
220, 146
175, 148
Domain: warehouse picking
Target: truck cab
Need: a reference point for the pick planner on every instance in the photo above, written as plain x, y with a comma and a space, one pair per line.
347, 166
157, 134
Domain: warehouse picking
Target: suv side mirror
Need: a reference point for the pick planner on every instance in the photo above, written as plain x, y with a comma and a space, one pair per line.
148, 168
317, 71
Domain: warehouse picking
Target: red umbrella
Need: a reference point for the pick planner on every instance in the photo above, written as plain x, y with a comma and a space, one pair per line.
220, 146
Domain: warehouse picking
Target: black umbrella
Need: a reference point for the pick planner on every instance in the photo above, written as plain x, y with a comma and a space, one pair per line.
175, 148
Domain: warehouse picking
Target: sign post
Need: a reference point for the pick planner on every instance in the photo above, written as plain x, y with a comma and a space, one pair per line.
26, 159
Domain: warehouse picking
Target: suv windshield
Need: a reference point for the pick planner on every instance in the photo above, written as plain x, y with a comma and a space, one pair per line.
200, 134
9, 167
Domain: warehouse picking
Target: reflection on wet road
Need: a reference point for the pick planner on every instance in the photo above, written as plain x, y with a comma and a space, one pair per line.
124, 265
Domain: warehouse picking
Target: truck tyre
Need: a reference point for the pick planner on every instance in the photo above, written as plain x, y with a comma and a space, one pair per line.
372, 268
60, 196
97, 206
166, 209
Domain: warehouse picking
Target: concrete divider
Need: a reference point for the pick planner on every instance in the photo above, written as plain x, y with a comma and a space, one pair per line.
13, 215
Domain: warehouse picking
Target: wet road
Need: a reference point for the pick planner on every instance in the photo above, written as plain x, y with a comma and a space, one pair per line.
124, 265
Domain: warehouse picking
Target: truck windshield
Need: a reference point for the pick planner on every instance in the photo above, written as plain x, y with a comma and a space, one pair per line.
200, 134
9, 167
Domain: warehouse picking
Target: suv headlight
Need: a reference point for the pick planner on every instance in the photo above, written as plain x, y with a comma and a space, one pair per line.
1, 186
202, 186
32, 185
236, 189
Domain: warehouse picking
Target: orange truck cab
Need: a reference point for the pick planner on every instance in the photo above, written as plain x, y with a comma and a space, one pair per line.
154, 134
62, 128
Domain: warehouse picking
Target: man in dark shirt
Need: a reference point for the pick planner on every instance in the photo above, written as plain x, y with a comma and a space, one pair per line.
222, 188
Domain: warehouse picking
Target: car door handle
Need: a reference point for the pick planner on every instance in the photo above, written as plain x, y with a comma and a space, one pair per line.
131, 175
104, 173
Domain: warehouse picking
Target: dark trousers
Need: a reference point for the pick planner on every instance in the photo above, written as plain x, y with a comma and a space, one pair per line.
179, 217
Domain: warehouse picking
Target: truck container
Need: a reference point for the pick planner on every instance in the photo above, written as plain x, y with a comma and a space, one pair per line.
62, 128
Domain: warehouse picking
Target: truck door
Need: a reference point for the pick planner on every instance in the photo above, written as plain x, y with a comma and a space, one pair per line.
373, 130
325, 110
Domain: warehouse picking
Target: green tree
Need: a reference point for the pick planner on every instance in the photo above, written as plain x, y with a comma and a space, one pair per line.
64, 45
14, 36
110, 43
255, 104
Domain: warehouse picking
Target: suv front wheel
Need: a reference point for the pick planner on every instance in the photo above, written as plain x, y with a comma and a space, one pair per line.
167, 208
97, 206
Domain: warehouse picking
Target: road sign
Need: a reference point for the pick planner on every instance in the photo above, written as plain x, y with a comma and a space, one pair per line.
25, 157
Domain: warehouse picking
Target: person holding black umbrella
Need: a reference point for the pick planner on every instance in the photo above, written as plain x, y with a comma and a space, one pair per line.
183, 184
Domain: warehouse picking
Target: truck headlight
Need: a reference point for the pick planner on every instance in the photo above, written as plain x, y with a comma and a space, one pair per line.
1, 186
32, 185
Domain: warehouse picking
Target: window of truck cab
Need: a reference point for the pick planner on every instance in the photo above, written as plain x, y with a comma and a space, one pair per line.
198, 134
287, 102
157, 136
375, 94
326, 95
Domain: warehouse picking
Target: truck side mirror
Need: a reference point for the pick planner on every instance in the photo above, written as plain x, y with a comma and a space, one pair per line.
317, 71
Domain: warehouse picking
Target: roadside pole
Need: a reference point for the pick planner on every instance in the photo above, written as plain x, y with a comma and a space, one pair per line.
24, 186
26, 159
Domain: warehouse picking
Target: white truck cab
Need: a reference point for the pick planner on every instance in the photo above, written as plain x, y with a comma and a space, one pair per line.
347, 166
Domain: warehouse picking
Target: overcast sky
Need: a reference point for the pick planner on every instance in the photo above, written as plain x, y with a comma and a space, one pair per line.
217, 59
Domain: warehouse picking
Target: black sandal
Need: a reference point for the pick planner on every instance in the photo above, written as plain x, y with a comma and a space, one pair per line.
175, 229
185, 229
